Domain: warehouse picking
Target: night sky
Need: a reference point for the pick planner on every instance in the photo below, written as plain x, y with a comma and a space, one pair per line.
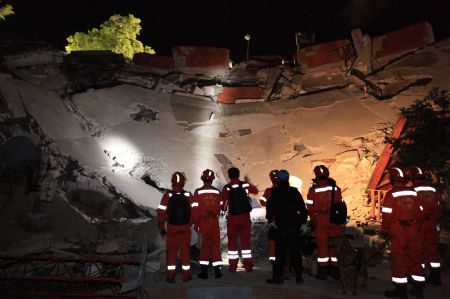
212, 23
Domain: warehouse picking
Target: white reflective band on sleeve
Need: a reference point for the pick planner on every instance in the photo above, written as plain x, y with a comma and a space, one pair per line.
263, 198
218, 263
421, 208
245, 185
232, 252
333, 259
329, 188
187, 194
162, 207
435, 265
235, 186
272, 258
323, 259
425, 188
170, 194
171, 267
404, 193
186, 267
221, 202
423, 266
400, 172
204, 262
418, 278
246, 256
233, 256
309, 201
178, 177
228, 189
194, 204
246, 251
208, 191
386, 210
400, 279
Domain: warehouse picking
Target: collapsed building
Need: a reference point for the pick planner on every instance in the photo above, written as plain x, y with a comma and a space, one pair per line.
111, 133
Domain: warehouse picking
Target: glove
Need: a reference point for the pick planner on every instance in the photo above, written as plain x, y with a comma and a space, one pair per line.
163, 233
270, 225
303, 229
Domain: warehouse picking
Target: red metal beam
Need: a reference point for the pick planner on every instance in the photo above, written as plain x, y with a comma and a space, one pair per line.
385, 156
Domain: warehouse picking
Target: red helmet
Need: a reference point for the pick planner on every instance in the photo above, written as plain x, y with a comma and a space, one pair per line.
321, 171
416, 172
178, 179
273, 175
208, 175
397, 174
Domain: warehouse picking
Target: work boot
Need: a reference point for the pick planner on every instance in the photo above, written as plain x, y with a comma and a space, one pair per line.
400, 291
217, 272
417, 290
321, 273
333, 271
187, 278
204, 272
435, 276
298, 277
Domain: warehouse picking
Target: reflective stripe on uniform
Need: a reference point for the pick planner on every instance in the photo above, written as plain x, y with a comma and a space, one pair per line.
204, 262
208, 191
309, 201
187, 194
271, 258
400, 279
235, 186
323, 189
233, 256
404, 193
171, 267
333, 258
194, 204
218, 263
186, 267
245, 185
435, 265
162, 207
425, 188
418, 278
262, 198
323, 259
386, 210
246, 251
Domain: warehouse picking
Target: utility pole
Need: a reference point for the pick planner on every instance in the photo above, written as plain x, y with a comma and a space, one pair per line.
247, 38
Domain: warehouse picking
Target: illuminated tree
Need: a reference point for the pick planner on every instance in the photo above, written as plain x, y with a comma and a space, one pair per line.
426, 140
5, 10
118, 34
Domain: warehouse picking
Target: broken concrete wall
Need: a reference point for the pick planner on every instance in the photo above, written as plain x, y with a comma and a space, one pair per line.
396, 43
234, 95
326, 55
35, 57
202, 60
153, 61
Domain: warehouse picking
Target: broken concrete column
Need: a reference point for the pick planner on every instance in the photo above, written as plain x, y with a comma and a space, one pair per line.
363, 47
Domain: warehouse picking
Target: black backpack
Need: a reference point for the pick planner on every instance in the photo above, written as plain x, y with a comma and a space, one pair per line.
239, 202
338, 210
178, 209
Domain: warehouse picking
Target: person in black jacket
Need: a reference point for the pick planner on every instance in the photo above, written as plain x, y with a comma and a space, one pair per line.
287, 216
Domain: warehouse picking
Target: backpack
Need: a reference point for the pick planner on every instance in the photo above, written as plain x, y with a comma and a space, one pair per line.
178, 209
338, 210
239, 202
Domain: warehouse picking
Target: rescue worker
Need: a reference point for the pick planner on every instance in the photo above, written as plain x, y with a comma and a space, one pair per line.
287, 216
263, 201
428, 199
319, 203
238, 205
401, 217
209, 200
174, 221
